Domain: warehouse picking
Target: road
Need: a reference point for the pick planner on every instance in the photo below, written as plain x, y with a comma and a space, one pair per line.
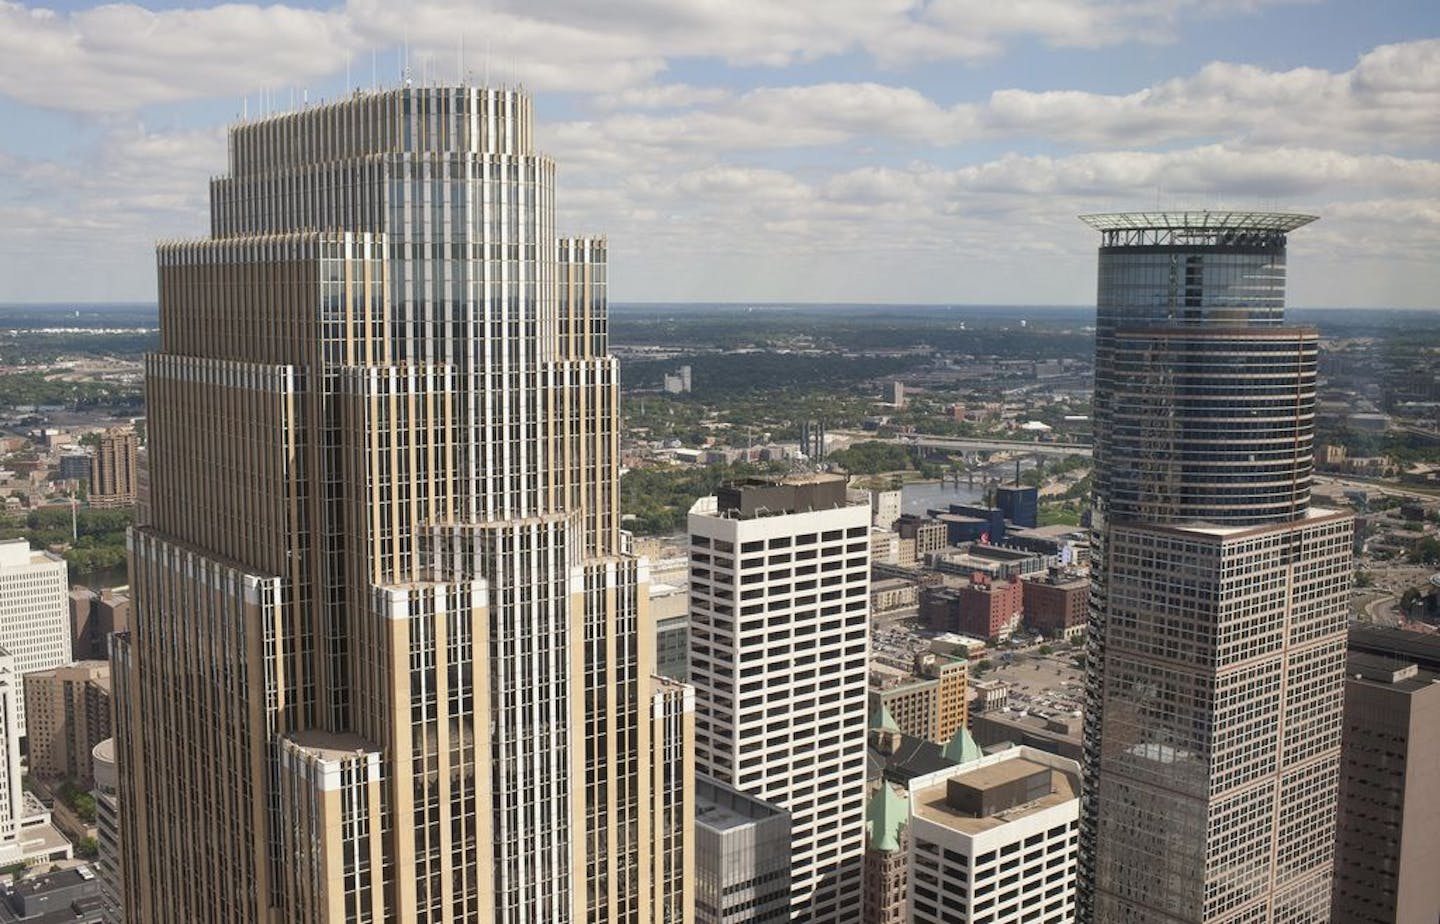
1381, 487
972, 445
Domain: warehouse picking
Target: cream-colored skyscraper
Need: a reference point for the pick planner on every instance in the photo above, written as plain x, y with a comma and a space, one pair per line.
389, 657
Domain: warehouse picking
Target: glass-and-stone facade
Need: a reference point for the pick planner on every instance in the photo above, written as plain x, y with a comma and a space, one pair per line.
1219, 596
390, 658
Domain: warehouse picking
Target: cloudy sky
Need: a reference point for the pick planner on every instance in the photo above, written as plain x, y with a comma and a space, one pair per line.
775, 150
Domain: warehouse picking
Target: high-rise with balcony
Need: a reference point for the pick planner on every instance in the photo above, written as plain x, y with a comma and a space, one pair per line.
113, 468
389, 655
1219, 594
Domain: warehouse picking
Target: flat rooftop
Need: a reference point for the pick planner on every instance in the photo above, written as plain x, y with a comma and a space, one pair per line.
931, 801
332, 745
1417, 647
1226, 531
1198, 220
721, 808
1401, 674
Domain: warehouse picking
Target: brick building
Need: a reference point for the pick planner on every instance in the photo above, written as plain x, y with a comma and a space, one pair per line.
1057, 604
983, 608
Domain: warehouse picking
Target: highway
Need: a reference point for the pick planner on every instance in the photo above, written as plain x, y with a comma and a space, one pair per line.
970, 445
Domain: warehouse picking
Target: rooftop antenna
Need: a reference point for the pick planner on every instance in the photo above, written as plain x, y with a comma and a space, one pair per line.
374, 70
405, 59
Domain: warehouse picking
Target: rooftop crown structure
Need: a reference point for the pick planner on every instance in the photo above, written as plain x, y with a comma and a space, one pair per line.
388, 659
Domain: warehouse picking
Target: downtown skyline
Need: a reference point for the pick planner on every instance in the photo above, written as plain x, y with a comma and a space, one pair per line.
866, 152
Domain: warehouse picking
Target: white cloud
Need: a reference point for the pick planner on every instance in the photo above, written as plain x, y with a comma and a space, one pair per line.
843, 189
1389, 98
120, 57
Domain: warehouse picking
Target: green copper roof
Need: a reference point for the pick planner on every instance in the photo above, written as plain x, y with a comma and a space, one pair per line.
881, 718
884, 817
962, 747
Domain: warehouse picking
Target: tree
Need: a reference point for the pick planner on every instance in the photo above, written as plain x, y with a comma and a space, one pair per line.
1426, 551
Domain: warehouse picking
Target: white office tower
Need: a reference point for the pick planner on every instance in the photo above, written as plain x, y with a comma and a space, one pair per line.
996, 841
780, 642
34, 613
12, 794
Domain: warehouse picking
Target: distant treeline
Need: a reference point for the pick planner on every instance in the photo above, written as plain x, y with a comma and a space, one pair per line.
34, 389
720, 374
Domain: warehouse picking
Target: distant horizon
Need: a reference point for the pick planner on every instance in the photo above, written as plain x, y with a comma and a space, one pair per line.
762, 304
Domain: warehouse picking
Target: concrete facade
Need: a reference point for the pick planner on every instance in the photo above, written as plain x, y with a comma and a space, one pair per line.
780, 643
113, 469
34, 613
742, 857
67, 715
995, 840
1389, 821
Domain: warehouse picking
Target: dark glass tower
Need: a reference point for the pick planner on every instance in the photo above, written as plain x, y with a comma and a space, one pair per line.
1219, 596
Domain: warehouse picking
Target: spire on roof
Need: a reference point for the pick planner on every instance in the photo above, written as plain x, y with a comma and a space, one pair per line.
885, 815
962, 747
882, 720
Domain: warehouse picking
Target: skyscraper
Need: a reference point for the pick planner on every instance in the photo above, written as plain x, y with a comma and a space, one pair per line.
113, 469
780, 644
1388, 836
1219, 595
389, 657
34, 615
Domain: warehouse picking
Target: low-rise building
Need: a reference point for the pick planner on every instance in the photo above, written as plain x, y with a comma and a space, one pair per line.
994, 561
996, 840
885, 547
984, 607
929, 701
890, 594
71, 896
742, 857
1057, 604
1058, 733
990, 696
926, 535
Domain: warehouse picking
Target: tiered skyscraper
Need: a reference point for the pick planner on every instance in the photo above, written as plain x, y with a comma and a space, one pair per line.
389, 655
1219, 595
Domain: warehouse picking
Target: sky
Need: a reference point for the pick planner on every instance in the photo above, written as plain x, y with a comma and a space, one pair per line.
890, 151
